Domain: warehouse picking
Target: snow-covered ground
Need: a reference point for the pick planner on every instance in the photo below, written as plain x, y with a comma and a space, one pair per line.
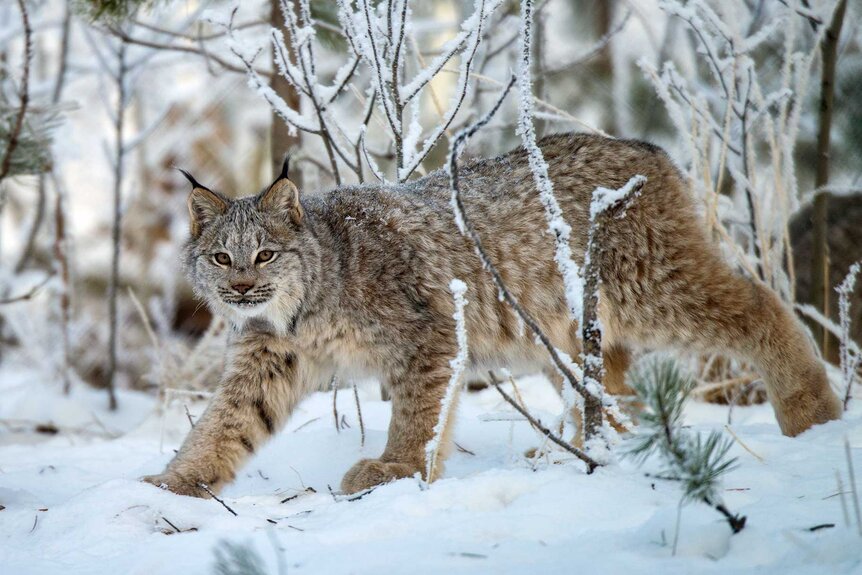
73, 503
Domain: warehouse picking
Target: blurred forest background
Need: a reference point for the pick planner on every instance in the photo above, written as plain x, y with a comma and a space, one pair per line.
101, 101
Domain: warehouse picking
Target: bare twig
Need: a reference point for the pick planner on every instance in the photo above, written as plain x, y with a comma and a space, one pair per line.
214, 496
333, 385
590, 462
352, 497
174, 527
116, 229
842, 499
743, 445
189, 416
29, 294
200, 37
122, 35
853, 491
359, 415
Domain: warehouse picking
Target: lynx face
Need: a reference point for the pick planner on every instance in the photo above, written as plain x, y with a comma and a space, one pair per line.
245, 257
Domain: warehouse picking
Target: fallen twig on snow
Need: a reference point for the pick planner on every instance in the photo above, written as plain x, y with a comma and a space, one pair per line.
214, 496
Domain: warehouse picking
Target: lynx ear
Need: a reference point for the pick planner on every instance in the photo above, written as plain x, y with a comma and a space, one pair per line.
204, 205
282, 196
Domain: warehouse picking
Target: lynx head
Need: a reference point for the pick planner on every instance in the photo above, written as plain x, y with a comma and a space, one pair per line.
245, 256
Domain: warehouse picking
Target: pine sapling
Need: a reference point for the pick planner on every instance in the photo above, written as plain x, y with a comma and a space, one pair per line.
698, 463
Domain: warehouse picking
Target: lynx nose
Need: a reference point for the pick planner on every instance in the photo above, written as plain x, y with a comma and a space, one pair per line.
242, 288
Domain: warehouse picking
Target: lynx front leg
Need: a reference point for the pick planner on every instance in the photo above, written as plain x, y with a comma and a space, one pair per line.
259, 390
416, 398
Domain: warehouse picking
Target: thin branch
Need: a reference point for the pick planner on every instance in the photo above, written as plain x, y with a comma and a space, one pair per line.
464, 80
116, 229
200, 37
359, 415
377, 64
214, 496
333, 385
590, 462
177, 48
29, 294
600, 45
467, 228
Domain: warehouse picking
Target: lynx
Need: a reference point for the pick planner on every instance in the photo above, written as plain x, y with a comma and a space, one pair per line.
355, 283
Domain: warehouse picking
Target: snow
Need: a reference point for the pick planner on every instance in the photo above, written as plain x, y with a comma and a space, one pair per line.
604, 198
73, 504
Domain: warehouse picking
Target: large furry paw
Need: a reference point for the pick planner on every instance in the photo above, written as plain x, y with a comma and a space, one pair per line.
177, 484
820, 410
370, 472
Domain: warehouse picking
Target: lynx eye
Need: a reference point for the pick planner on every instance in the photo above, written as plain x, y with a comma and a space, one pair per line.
264, 256
222, 259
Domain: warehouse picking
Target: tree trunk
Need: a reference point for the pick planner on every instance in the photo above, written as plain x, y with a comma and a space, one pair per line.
281, 141
820, 266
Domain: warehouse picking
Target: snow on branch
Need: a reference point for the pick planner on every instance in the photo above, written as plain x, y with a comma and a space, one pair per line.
572, 279
450, 49
450, 398
377, 35
605, 204
563, 364
414, 158
849, 358
605, 200
246, 55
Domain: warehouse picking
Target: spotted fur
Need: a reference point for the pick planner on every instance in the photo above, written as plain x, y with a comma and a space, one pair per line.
359, 287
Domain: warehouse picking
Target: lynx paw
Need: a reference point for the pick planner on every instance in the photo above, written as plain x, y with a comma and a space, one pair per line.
370, 472
176, 484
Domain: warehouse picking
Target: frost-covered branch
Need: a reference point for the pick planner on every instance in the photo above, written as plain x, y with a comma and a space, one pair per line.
450, 398
467, 61
561, 231
377, 36
562, 363
849, 357
741, 122
605, 204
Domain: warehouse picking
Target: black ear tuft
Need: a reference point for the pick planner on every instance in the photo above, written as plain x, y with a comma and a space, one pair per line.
285, 167
204, 205
192, 180
282, 195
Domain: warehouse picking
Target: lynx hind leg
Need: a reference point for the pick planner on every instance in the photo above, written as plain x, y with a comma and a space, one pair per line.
416, 403
696, 302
